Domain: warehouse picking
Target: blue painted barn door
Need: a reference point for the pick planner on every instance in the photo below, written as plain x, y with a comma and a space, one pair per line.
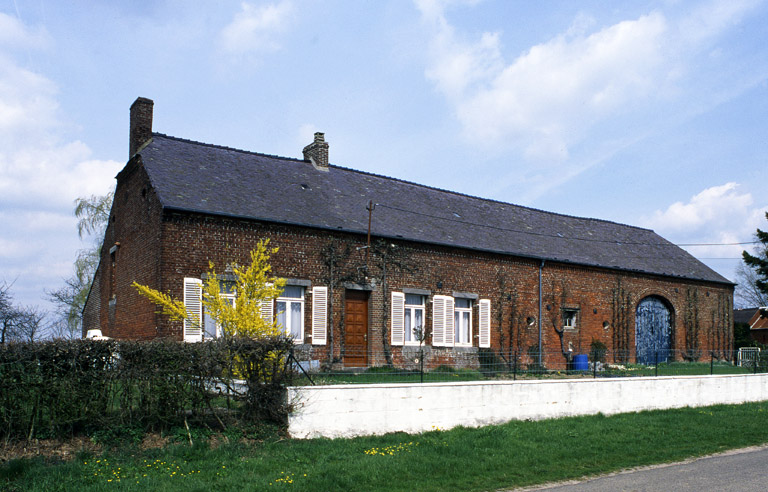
652, 331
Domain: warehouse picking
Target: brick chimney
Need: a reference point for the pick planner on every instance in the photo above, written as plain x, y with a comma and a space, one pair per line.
317, 152
141, 124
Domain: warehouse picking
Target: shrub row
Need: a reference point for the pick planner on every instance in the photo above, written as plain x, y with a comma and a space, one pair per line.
63, 388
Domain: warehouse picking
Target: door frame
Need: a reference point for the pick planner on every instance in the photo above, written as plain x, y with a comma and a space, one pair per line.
357, 295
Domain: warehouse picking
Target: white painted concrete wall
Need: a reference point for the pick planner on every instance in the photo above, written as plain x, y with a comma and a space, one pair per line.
355, 410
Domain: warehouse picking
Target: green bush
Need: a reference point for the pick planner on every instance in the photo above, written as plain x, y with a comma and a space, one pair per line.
490, 363
63, 388
597, 351
533, 354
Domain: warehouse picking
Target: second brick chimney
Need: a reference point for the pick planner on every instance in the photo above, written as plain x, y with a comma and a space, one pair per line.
141, 124
317, 152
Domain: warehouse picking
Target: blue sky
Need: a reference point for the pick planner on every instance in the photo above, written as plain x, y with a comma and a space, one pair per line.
649, 113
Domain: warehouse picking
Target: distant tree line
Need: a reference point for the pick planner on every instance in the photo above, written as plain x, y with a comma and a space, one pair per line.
18, 323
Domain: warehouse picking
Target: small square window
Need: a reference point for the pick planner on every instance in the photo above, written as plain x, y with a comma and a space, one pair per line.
570, 318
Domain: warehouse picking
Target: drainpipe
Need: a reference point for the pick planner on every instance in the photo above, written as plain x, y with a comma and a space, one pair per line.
541, 267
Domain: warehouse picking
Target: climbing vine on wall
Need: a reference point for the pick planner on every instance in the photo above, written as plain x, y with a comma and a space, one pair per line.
692, 325
557, 315
509, 333
621, 311
386, 259
335, 257
720, 334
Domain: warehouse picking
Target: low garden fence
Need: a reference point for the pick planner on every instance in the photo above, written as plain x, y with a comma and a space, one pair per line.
429, 364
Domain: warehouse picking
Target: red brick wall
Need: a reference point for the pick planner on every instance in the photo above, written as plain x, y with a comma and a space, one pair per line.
605, 299
131, 252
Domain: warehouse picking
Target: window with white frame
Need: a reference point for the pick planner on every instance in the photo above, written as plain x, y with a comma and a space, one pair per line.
413, 318
569, 319
290, 311
211, 328
462, 321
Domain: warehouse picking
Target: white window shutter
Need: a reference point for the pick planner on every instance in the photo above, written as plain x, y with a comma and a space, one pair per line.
193, 301
449, 322
438, 321
485, 323
267, 308
398, 318
319, 315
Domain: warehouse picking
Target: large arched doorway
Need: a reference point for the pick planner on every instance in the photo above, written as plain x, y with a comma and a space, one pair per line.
653, 330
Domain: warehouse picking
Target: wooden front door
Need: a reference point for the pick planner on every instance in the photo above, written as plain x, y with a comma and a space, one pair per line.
356, 328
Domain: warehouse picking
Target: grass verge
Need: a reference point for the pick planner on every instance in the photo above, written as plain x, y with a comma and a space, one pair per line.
489, 458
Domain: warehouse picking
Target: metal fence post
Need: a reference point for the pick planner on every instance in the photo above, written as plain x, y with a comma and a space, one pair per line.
514, 368
711, 363
656, 367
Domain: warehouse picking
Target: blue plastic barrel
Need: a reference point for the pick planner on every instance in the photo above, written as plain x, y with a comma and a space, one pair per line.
581, 362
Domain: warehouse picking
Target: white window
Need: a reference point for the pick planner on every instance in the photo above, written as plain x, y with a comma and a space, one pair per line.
569, 319
290, 311
462, 322
413, 318
211, 328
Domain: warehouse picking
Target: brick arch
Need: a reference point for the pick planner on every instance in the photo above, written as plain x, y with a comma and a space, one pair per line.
647, 292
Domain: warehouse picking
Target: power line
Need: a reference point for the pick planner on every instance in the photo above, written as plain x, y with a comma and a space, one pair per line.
719, 244
558, 235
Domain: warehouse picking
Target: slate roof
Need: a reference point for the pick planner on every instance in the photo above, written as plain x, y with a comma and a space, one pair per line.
197, 177
743, 315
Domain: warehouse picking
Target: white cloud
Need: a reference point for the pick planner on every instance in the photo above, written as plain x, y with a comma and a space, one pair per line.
13, 33
563, 105
717, 215
254, 29
27, 99
713, 17
543, 101
713, 206
41, 171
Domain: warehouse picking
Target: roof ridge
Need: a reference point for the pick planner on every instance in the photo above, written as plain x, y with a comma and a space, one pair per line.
413, 183
224, 147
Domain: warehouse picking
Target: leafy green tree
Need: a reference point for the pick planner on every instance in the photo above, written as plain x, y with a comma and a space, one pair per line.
93, 216
759, 262
254, 284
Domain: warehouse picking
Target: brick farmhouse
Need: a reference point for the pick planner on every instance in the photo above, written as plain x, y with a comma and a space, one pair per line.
371, 260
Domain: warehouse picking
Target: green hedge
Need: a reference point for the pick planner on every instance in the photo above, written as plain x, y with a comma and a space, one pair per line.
62, 388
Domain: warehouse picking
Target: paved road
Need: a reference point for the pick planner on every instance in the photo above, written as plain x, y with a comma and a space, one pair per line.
743, 470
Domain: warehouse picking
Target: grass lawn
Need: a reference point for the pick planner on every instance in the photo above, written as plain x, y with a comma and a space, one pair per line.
489, 458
